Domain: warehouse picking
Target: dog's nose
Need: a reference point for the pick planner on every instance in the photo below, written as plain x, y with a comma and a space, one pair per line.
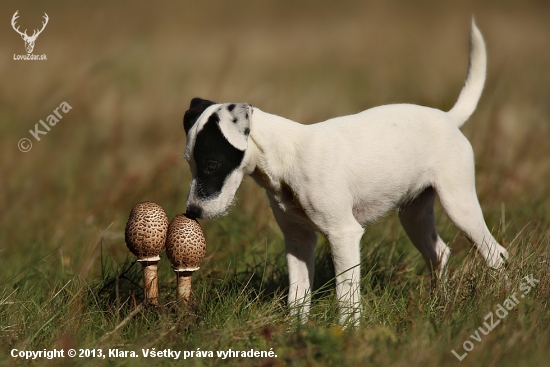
193, 211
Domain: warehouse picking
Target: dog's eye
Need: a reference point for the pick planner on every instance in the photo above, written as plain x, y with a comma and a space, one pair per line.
212, 165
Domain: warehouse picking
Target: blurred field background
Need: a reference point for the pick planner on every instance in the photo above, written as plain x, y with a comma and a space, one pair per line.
129, 70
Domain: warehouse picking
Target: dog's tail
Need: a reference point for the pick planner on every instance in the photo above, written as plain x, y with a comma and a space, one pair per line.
471, 92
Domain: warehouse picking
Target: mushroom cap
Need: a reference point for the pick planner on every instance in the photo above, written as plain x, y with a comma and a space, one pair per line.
146, 230
185, 244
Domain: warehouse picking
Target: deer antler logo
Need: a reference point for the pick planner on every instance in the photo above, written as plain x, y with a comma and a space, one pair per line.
29, 40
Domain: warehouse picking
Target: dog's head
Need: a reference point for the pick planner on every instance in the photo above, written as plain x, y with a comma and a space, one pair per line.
217, 141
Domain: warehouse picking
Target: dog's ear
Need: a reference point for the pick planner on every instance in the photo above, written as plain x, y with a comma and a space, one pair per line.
196, 108
236, 128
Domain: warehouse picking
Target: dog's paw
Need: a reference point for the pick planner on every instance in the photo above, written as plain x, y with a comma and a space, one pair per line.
499, 259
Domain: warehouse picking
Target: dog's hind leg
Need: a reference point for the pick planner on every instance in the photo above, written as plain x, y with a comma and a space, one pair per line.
417, 218
455, 186
300, 242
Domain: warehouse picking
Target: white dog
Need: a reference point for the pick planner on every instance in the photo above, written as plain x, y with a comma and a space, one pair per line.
337, 176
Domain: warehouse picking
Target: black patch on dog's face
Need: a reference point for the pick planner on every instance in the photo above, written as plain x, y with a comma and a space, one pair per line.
196, 108
215, 158
231, 107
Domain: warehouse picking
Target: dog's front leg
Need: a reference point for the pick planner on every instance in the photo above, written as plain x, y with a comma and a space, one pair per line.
300, 245
300, 241
345, 246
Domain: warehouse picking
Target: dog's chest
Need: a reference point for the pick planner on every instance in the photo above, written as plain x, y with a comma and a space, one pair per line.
282, 195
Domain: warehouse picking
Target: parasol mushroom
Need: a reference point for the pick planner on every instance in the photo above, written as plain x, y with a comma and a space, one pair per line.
145, 237
185, 248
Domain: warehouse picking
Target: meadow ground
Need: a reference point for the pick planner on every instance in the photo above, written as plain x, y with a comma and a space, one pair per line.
129, 70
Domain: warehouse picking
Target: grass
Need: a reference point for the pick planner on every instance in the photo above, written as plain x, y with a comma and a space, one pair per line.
129, 72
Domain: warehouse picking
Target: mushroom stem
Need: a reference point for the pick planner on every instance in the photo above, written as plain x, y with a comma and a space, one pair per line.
150, 281
184, 286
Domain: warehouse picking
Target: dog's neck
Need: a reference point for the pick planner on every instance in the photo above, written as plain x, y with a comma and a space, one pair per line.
273, 146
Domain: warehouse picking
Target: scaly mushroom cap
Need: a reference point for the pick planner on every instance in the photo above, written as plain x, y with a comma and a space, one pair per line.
146, 230
185, 244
